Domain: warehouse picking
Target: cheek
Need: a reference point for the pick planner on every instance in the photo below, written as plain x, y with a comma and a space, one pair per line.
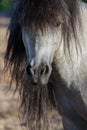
29, 46
30, 51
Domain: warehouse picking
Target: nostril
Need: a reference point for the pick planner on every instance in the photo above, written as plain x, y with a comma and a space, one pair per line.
28, 70
31, 71
44, 70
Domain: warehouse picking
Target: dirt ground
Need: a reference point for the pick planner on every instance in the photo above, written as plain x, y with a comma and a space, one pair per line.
9, 104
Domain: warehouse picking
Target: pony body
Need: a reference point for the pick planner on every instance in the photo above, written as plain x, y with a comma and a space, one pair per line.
74, 75
54, 36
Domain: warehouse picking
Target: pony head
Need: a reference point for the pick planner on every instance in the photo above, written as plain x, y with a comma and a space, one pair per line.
37, 29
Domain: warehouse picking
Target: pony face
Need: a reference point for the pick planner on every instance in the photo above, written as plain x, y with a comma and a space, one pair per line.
40, 50
33, 33
33, 29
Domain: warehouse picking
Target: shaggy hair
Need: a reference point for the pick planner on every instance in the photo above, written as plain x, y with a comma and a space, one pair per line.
37, 101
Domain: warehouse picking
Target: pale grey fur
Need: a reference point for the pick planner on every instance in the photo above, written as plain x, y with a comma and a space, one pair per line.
72, 68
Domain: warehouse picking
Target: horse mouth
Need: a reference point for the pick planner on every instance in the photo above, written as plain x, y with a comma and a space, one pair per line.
39, 76
39, 81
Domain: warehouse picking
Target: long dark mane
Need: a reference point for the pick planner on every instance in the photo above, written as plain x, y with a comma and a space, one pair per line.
36, 102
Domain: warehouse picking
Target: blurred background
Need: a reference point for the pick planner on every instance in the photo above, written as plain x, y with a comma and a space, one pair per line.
8, 102
6, 4
9, 115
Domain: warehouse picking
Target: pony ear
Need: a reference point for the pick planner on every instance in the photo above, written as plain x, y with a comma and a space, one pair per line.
15, 48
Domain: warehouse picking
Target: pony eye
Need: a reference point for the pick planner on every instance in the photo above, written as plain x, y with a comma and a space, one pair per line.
57, 24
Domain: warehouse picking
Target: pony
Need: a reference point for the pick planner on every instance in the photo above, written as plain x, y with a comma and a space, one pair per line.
47, 57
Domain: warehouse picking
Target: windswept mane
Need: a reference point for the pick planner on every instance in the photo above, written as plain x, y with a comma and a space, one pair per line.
48, 12
38, 14
43, 13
